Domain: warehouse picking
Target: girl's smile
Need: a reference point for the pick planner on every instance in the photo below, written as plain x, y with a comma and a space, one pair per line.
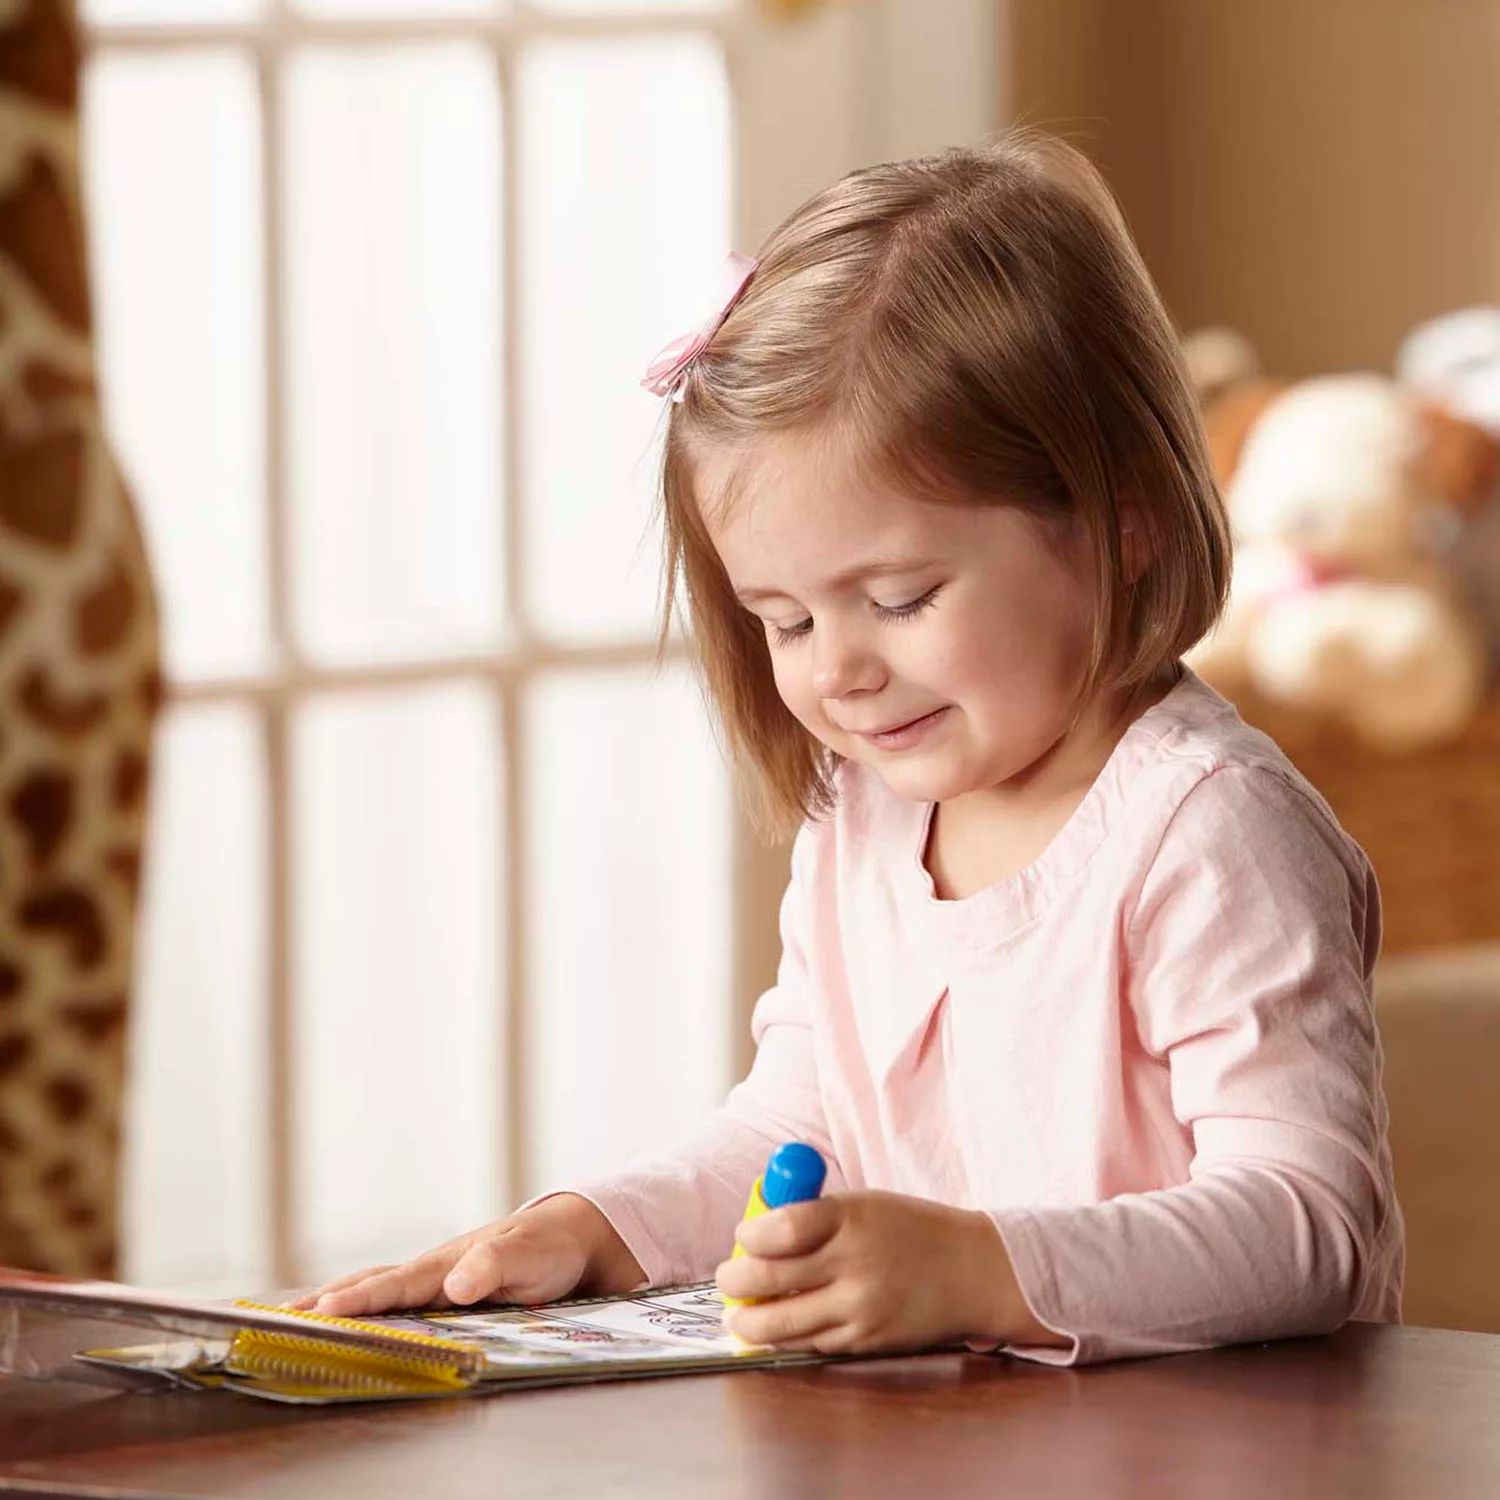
899, 736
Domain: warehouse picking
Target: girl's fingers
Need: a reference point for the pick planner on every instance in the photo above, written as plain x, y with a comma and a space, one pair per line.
415, 1284
302, 1303
797, 1229
510, 1260
753, 1276
789, 1322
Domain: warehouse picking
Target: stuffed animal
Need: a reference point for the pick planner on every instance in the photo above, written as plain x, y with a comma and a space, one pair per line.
1342, 492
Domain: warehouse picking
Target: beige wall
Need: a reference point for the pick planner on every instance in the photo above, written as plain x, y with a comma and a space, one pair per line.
1322, 174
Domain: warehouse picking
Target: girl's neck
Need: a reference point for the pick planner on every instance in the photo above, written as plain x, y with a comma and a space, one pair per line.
1076, 760
984, 836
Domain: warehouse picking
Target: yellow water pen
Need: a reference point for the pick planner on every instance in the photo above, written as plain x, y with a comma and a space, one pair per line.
794, 1174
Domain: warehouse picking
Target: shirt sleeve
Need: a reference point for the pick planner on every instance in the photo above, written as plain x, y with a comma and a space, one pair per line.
1248, 960
676, 1210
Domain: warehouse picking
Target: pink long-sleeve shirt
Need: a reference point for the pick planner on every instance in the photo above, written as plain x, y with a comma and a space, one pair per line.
1149, 1056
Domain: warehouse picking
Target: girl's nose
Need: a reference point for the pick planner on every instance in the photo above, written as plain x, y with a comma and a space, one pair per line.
842, 664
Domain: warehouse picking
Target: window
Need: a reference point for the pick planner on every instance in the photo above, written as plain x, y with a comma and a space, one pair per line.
447, 898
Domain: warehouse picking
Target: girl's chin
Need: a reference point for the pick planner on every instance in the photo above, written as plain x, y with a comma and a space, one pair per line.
918, 783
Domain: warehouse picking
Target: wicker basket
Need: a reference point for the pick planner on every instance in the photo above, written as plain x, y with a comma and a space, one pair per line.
1430, 821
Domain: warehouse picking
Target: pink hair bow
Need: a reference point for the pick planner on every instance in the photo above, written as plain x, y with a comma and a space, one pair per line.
665, 373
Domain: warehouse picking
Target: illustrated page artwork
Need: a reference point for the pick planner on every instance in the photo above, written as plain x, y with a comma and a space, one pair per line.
670, 1327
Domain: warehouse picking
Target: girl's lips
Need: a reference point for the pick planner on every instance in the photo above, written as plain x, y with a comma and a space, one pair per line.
905, 734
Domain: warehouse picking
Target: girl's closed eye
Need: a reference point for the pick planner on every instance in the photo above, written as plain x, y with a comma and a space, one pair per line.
786, 635
912, 607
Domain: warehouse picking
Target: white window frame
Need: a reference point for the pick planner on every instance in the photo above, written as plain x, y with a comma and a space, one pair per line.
859, 81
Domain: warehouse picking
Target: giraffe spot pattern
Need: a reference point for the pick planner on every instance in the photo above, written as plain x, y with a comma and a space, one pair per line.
39, 230
41, 486
50, 487
95, 1019
69, 912
102, 616
11, 599
46, 383
58, 1177
52, 711
67, 1097
16, 1246
42, 806
37, 54
125, 865
81, 1215
129, 780
153, 691
15, 1051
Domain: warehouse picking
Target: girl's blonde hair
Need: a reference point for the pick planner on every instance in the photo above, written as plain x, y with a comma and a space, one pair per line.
976, 325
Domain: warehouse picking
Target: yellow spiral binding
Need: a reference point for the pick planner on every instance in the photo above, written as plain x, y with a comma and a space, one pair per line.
396, 1360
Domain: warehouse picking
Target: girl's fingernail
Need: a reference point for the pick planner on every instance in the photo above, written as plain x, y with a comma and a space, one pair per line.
459, 1289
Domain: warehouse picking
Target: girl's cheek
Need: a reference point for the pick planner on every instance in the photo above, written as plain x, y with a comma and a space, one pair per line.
799, 698
787, 687
954, 664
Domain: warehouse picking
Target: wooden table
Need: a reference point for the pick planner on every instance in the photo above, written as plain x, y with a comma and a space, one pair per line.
1369, 1412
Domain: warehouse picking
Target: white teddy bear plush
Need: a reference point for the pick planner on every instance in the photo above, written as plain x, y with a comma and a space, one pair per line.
1339, 603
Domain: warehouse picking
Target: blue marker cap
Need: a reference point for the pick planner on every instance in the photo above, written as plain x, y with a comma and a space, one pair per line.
794, 1174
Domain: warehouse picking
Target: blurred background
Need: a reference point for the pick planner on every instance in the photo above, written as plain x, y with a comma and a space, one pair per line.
440, 895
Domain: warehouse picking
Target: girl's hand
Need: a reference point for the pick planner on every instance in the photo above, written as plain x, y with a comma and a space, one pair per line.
560, 1245
861, 1273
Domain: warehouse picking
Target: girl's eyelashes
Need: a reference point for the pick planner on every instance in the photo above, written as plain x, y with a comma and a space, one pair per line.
785, 635
906, 611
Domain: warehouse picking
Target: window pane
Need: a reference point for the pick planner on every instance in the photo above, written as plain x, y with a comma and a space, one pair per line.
623, 227
628, 913
393, 285
173, 166
396, 1026
195, 1178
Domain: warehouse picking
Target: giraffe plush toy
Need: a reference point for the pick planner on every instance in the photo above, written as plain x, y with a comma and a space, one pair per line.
79, 688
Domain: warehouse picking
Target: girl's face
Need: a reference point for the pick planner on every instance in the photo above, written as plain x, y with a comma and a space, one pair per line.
940, 644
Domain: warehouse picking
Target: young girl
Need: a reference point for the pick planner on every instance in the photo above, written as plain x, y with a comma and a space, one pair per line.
1075, 986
